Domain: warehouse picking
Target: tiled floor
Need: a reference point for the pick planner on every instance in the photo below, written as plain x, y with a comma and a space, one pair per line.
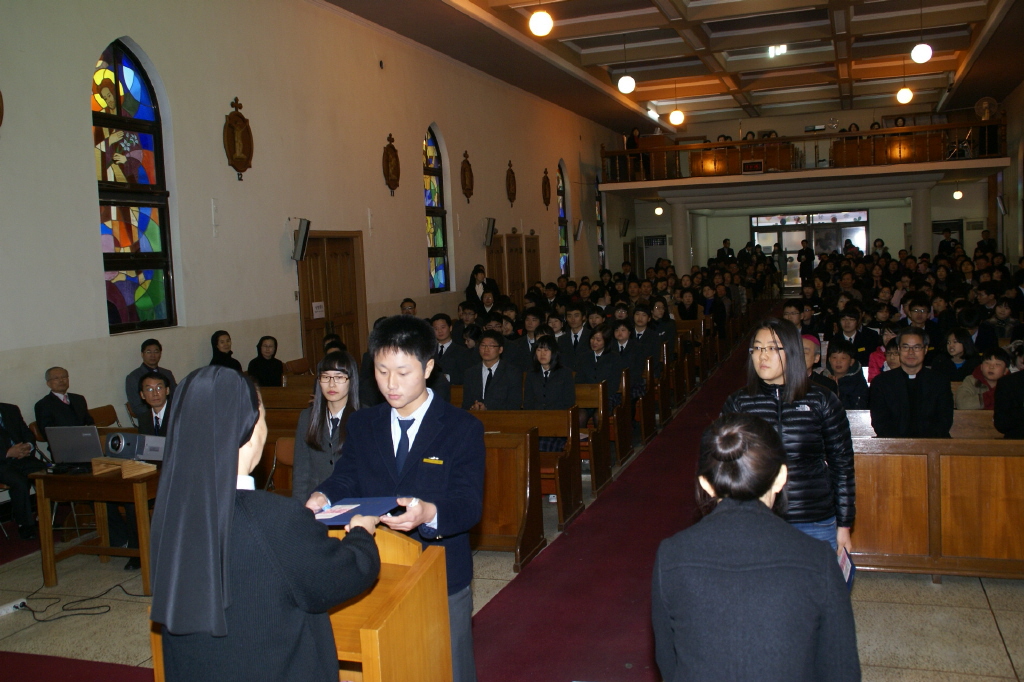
908, 629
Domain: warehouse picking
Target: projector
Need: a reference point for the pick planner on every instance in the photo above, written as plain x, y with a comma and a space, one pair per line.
135, 446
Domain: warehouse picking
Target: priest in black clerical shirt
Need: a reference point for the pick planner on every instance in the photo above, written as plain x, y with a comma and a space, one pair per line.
16, 462
911, 401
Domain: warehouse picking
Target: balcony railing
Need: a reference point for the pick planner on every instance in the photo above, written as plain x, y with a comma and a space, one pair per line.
880, 147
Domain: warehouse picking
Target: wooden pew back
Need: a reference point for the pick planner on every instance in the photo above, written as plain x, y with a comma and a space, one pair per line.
596, 448
973, 424
940, 506
512, 518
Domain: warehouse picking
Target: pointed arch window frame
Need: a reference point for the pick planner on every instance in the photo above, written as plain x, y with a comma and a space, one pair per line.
126, 194
438, 213
563, 222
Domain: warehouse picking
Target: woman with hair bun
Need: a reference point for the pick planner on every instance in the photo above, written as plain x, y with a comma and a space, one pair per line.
743, 595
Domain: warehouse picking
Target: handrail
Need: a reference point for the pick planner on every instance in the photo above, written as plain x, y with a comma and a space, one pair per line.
879, 147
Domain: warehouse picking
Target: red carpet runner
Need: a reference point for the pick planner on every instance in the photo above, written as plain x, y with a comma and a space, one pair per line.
581, 610
52, 669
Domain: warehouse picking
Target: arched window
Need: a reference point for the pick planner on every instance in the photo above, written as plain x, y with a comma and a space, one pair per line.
132, 194
437, 228
563, 225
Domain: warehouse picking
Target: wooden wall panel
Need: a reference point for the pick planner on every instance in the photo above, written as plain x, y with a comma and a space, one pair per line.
532, 247
516, 268
982, 507
892, 504
496, 262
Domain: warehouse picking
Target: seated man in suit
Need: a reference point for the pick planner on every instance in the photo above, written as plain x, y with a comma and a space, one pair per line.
493, 383
452, 357
437, 472
912, 401
576, 340
16, 462
151, 353
864, 340
58, 407
1009, 406
155, 390
647, 340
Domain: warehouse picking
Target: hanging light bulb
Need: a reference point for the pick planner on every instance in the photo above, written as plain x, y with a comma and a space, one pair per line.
658, 210
904, 95
541, 23
921, 53
957, 194
626, 84
676, 117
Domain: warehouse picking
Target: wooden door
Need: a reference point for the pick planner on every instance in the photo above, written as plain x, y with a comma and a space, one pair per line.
532, 248
332, 293
515, 267
496, 262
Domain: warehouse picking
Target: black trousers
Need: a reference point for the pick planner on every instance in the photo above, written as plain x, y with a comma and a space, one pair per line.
14, 474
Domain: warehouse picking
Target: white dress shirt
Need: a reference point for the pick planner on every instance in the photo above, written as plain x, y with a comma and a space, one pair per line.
414, 428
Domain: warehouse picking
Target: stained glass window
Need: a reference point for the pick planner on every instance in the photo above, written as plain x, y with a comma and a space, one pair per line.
127, 137
563, 224
436, 223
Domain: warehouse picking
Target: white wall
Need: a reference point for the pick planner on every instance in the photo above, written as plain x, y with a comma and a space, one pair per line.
320, 108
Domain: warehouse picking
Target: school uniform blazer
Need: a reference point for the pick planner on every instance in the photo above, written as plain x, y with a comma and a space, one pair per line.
608, 367
445, 467
1009, 408
865, 342
505, 393
51, 411
456, 358
519, 354
566, 353
631, 359
557, 393
648, 346
312, 466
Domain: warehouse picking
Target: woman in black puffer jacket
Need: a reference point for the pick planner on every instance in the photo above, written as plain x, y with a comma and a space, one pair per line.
814, 429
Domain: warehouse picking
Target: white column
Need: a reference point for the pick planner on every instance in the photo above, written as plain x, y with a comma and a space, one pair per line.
682, 252
699, 238
921, 222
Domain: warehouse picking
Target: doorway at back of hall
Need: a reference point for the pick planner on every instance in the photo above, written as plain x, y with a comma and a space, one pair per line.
825, 233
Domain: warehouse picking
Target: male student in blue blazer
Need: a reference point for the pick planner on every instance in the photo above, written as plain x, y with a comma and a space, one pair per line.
425, 452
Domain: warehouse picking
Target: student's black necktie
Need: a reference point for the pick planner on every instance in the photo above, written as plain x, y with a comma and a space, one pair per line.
403, 443
487, 384
156, 423
440, 352
639, 336
335, 421
575, 341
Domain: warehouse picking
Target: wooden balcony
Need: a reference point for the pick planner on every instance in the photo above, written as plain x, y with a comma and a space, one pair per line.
882, 147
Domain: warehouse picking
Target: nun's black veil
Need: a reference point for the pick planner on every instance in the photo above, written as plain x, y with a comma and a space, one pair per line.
212, 415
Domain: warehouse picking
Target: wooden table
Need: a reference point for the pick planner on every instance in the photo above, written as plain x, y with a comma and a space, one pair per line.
109, 487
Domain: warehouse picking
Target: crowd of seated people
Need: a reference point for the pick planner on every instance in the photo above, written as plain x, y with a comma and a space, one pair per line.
953, 318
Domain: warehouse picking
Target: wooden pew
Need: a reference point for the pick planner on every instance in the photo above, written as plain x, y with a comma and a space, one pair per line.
283, 406
939, 506
456, 395
513, 518
396, 630
596, 448
695, 330
303, 381
620, 424
560, 471
644, 412
967, 424
665, 388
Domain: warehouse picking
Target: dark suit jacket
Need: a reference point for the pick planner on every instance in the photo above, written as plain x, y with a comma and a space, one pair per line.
455, 361
489, 285
146, 421
893, 416
13, 429
519, 354
51, 411
608, 368
631, 359
278, 627
865, 342
557, 393
724, 253
505, 393
454, 482
313, 466
566, 353
649, 346
1009, 408
986, 339
131, 387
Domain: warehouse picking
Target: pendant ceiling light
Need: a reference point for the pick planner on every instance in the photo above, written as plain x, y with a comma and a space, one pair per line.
922, 52
905, 94
626, 82
658, 210
676, 117
541, 23
957, 194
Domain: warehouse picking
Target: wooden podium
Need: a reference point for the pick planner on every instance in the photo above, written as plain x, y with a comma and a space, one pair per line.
397, 631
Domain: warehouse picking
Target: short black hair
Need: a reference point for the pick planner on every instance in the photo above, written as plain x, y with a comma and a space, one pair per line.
493, 336
997, 354
533, 312
914, 331
328, 338
151, 342
472, 332
842, 346
578, 307
642, 308
797, 303
408, 300
406, 334
441, 316
159, 376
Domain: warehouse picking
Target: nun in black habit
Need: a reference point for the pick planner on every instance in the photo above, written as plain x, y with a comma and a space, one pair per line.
243, 579
265, 369
221, 342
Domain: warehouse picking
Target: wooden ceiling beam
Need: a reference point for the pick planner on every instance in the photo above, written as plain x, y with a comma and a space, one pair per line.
868, 24
606, 25
946, 44
894, 68
644, 52
839, 23
694, 35
773, 36
729, 10
781, 80
666, 91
